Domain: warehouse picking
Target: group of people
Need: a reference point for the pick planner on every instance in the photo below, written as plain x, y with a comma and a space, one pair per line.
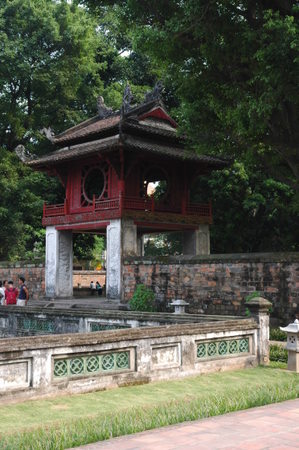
10, 295
95, 287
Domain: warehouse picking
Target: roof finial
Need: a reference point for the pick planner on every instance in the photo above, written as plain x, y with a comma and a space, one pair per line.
23, 154
127, 99
103, 110
48, 132
155, 94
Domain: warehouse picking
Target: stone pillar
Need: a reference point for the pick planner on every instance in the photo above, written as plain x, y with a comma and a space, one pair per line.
259, 308
197, 242
140, 245
121, 242
59, 263
292, 346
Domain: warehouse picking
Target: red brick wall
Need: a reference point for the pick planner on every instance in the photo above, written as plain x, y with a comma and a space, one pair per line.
33, 273
35, 277
219, 283
85, 277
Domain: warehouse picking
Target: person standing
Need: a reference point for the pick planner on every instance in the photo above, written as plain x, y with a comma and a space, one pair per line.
92, 288
99, 289
23, 296
11, 294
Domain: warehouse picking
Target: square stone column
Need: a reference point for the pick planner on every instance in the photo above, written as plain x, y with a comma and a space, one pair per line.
121, 242
197, 242
59, 263
259, 308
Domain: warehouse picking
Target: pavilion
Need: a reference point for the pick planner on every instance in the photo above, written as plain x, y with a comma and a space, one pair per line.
126, 174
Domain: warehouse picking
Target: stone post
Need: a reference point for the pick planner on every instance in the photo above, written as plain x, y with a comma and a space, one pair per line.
121, 242
140, 245
59, 263
292, 346
259, 308
197, 242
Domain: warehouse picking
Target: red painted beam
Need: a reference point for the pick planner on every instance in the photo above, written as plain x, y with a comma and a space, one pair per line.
84, 226
165, 226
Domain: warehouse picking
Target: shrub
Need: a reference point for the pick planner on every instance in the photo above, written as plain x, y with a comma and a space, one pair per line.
252, 295
277, 335
278, 353
143, 299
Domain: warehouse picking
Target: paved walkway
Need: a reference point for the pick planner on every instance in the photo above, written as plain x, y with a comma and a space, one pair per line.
274, 427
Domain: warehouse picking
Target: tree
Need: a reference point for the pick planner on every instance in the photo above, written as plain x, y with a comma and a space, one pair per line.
234, 66
48, 77
48, 71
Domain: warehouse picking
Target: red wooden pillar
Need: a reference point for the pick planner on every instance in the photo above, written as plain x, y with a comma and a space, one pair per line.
121, 181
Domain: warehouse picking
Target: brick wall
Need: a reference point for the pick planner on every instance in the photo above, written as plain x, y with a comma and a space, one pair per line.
85, 277
35, 277
219, 284
33, 273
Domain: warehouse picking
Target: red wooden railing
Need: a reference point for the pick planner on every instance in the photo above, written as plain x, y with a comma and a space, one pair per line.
132, 203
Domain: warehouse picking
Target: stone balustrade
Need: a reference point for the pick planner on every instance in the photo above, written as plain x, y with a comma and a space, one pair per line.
35, 366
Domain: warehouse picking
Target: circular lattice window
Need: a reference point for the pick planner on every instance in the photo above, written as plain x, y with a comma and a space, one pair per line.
93, 184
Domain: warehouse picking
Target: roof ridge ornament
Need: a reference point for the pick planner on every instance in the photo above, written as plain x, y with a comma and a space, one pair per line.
48, 132
155, 93
103, 110
23, 154
127, 100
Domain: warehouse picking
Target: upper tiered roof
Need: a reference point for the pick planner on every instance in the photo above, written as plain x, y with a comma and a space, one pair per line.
145, 128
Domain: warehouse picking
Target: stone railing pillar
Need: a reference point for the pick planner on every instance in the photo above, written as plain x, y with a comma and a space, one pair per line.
292, 346
259, 308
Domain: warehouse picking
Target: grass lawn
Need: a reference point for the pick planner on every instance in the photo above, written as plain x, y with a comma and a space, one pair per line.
68, 421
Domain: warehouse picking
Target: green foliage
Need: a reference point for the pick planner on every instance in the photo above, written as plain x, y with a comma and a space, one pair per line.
278, 353
48, 72
277, 335
143, 299
234, 68
164, 244
252, 295
244, 198
21, 205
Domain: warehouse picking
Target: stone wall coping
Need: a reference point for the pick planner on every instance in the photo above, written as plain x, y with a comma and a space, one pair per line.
89, 272
217, 258
22, 264
10, 345
117, 314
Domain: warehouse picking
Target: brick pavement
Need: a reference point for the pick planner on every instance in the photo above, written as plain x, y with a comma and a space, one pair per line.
274, 427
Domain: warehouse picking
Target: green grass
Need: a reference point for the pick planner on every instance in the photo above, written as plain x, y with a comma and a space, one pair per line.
69, 421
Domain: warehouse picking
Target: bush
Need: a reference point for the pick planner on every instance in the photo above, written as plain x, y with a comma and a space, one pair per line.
277, 335
278, 353
143, 299
252, 295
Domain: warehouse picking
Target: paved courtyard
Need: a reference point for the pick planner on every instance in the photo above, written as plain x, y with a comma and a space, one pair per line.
274, 427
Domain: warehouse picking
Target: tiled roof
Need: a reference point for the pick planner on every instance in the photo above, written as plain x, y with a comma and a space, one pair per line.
87, 128
75, 152
132, 142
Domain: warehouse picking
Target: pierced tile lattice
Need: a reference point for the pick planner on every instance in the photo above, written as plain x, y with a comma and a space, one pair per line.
35, 326
97, 326
222, 348
91, 364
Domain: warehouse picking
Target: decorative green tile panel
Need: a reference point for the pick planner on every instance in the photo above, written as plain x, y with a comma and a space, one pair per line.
216, 349
98, 326
35, 326
91, 364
